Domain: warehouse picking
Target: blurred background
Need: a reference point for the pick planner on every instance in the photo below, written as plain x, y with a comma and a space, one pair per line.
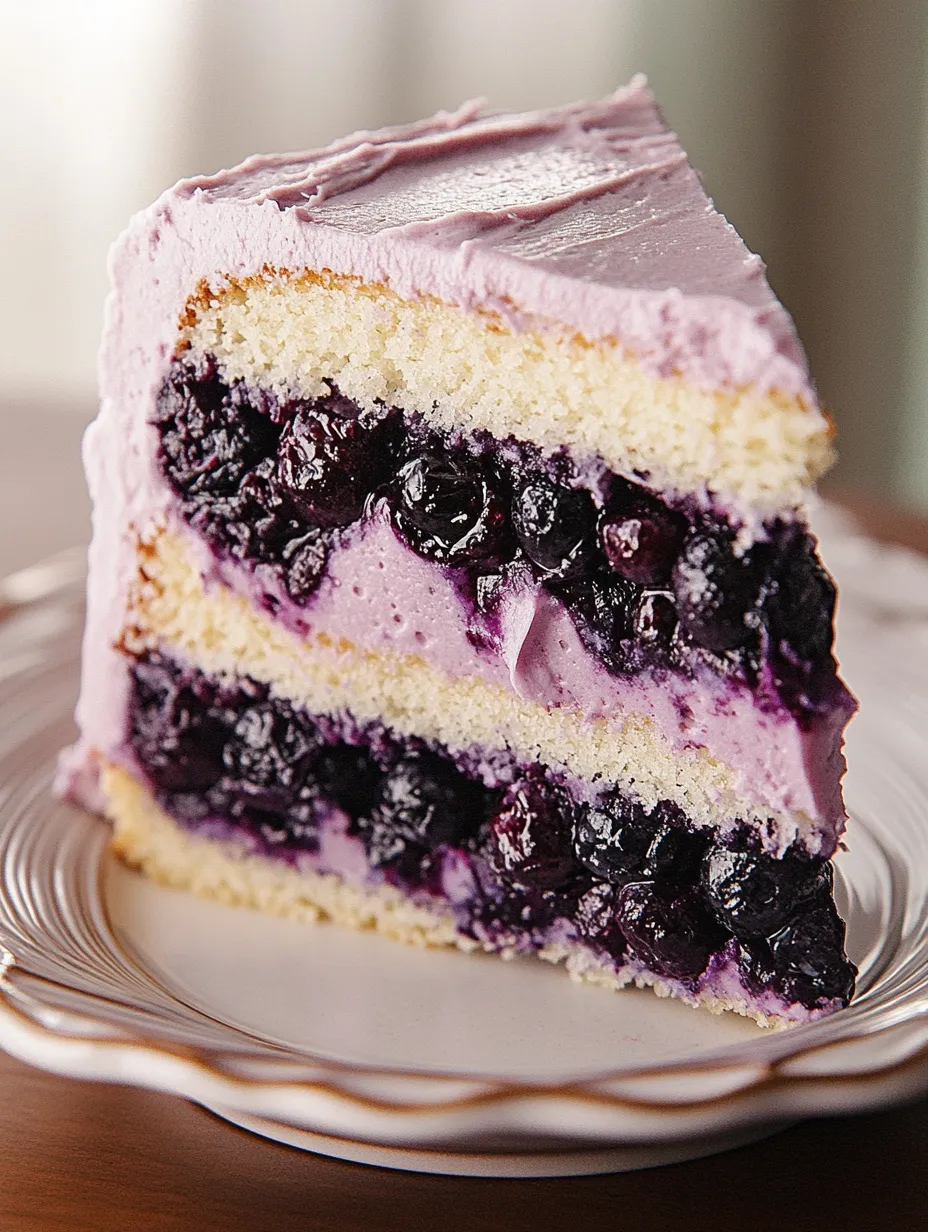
807, 118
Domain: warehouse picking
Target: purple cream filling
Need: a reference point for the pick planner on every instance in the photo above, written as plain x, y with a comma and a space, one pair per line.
381, 596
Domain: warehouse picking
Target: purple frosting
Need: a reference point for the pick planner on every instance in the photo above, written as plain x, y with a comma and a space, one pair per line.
588, 215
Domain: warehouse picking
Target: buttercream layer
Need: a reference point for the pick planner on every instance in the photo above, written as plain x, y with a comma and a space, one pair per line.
298, 335
598, 728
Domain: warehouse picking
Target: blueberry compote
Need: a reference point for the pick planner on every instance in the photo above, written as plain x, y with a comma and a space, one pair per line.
267, 482
519, 860
278, 484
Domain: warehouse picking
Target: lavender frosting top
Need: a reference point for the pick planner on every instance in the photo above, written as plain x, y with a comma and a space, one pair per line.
588, 216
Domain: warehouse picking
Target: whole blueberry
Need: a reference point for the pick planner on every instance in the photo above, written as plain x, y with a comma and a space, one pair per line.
177, 736
185, 756
612, 839
805, 961
328, 465
754, 894
675, 853
511, 914
446, 510
715, 591
596, 921
270, 750
641, 541
809, 959
620, 842
801, 603
530, 835
427, 800
671, 932
555, 525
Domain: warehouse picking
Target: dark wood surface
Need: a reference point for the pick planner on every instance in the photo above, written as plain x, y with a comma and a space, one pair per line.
89, 1157
75, 1155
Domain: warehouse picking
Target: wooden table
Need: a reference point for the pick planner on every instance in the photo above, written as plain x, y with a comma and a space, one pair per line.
90, 1158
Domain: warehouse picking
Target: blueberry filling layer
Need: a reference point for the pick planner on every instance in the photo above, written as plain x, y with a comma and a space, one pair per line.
510, 850
280, 484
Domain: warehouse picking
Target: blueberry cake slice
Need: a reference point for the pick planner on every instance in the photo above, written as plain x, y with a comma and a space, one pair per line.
450, 575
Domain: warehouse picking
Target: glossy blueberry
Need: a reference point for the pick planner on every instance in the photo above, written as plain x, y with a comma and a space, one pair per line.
675, 853
596, 921
530, 835
805, 961
425, 799
512, 912
641, 541
716, 591
754, 894
185, 757
328, 464
808, 956
210, 435
620, 842
446, 510
612, 840
555, 525
801, 603
669, 931
270, 750
177, 738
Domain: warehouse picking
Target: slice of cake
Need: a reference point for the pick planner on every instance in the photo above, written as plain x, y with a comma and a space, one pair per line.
450, 575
